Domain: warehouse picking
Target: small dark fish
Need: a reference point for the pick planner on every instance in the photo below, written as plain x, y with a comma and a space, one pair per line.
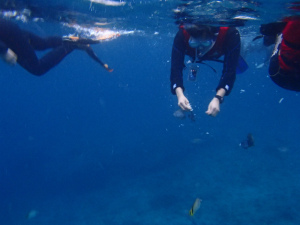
249, 142
191, 115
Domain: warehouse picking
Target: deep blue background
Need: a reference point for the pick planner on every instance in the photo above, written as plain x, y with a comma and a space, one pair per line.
84, 146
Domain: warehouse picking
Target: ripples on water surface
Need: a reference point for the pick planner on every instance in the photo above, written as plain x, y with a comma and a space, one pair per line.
147, 17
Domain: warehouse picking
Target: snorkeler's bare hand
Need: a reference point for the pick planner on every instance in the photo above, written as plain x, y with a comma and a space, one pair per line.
183, 102
213, 107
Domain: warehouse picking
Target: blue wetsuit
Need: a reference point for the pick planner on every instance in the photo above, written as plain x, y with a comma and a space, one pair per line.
230, 49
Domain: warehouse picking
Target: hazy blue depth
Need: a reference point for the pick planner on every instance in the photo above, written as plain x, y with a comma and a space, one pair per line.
81, 146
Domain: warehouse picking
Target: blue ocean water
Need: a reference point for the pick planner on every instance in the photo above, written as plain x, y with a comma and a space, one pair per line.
82, 146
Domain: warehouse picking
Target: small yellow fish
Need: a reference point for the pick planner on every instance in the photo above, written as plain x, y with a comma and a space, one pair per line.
195, 206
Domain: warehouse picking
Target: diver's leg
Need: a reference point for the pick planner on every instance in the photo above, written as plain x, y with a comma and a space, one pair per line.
91, 53
13, 37
19, 42
42, 43
47, 62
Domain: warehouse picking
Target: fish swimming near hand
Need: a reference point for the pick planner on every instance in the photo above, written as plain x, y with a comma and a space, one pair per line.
195, 207
191, 115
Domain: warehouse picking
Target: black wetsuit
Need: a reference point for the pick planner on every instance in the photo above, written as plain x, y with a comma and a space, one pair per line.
286, 79
231, 51
24, 44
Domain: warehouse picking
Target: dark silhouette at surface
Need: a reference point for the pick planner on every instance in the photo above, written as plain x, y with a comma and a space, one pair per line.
23, 45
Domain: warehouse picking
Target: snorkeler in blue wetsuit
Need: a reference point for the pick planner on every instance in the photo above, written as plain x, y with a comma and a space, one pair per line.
203, 43
19, 46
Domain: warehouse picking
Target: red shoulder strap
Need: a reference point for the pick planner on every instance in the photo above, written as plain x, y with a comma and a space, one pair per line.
220, 39
186, 35
219, 42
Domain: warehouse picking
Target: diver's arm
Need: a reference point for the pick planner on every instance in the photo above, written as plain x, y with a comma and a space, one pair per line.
183, 102
177, 62
177, 65
232, 46
214, 106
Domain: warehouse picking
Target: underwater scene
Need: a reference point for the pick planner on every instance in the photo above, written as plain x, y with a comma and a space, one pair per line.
95, 136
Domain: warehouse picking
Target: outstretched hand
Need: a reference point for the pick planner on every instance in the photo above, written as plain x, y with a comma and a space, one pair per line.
213, 107
183, 102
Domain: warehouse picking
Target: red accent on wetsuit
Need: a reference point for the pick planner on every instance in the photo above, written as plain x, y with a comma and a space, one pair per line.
289, 56
186, 35
217, 49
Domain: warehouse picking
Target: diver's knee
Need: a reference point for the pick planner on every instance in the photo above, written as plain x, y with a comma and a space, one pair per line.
37, 73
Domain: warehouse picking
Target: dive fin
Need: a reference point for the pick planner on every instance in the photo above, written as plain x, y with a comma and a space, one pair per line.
80, 40
92, 54
242, 65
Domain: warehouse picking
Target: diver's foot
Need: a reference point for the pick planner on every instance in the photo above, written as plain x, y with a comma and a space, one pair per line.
70, 38
79, 40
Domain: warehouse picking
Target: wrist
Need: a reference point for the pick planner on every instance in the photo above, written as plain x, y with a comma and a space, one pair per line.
221, 92
220, 98
179, 91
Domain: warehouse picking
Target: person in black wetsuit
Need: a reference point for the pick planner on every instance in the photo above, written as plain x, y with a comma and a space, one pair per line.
19, 46
205, 43
284, 68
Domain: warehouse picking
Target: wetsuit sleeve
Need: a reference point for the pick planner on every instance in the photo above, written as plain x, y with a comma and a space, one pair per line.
3, 48
232, 46
177, 61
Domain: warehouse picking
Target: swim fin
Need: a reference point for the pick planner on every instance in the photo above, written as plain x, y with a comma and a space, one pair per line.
242, 65
93, 55
75, 42
80, 40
